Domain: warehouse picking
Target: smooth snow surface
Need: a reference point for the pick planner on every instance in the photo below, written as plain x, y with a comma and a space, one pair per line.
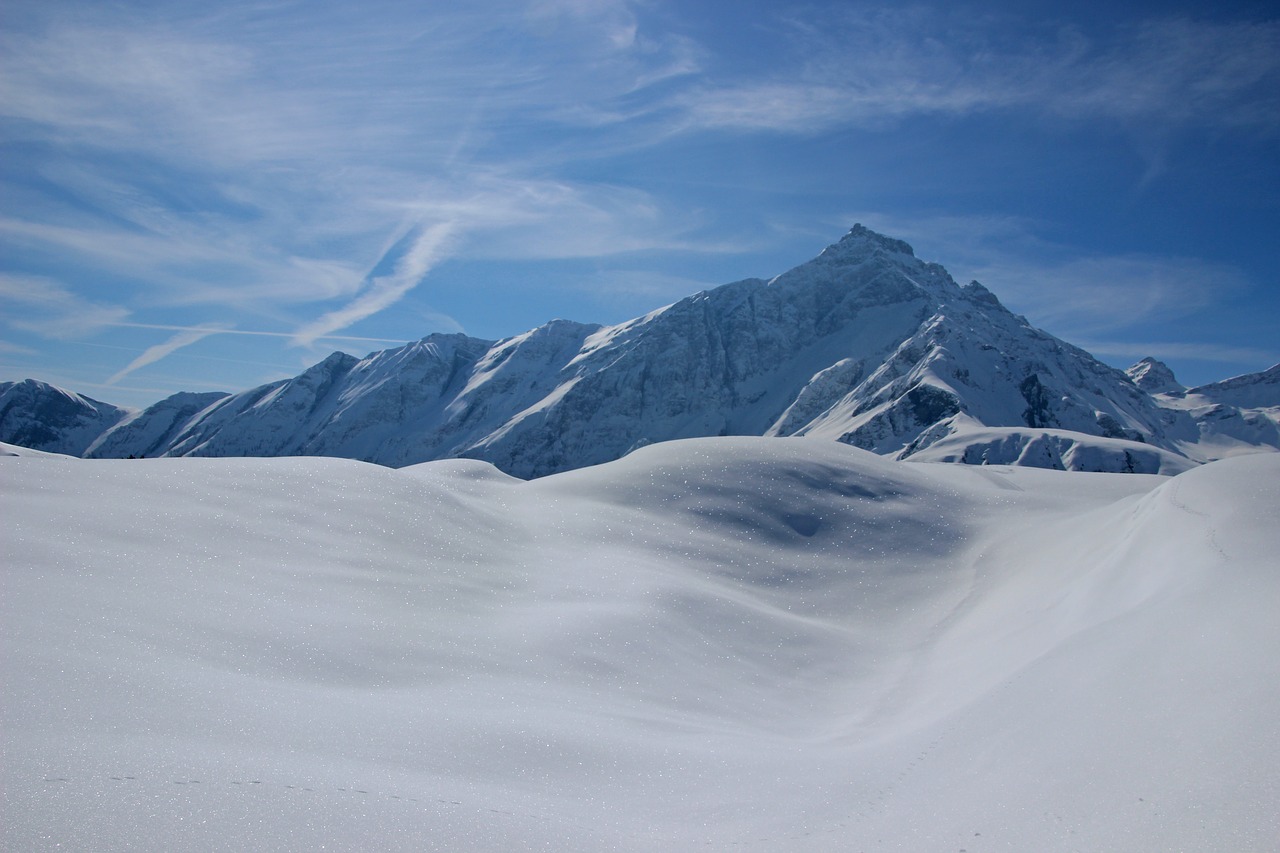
737, 643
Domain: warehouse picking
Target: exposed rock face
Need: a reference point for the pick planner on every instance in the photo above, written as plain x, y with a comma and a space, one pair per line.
865, 344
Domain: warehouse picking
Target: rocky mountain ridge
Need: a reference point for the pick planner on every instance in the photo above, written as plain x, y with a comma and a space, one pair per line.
865, 344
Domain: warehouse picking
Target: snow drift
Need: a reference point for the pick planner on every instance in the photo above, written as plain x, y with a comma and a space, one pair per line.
771, 644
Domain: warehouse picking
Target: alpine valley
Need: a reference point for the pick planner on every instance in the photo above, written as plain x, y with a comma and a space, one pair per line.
865, 344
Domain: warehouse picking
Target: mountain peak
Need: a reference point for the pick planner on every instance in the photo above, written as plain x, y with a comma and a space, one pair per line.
1154, 376
861, 241
978, 293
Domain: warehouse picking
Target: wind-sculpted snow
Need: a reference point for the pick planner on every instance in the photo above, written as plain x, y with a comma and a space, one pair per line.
769, 644
865, 344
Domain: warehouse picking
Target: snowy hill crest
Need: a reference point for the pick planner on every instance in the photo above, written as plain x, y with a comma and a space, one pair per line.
866, 344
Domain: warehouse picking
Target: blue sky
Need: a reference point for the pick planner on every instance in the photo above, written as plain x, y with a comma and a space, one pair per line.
199, 196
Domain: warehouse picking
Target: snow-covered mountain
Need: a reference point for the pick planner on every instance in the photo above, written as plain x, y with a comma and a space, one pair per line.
44, 417
1154, 376
1238, 415
865, 344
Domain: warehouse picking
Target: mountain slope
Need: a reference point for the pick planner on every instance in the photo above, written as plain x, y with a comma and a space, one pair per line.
865, 344
42, 416
1235, 416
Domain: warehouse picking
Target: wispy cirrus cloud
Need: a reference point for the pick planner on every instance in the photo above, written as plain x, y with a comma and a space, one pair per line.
51, 310
175, 265
299, 152
876, 65
15, 349
504, 215
249, 158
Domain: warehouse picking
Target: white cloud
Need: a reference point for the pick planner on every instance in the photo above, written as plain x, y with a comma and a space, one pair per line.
1177, 70
508, 216
612, 20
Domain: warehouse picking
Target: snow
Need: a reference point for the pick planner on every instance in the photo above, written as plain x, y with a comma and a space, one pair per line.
769, 644
974, 444
18, 450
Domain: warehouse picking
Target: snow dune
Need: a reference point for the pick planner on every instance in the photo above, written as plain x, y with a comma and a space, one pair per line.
768, 644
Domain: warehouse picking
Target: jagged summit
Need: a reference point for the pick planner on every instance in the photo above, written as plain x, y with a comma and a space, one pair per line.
1154, 377
865, 344
861, 241
975, 291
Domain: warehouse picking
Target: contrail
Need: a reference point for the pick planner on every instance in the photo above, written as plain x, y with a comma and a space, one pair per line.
383, 291
153, 354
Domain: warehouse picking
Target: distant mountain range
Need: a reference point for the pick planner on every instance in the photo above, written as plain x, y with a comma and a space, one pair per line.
865, 344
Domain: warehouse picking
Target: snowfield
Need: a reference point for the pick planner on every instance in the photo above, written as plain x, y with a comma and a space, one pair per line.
722, 643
